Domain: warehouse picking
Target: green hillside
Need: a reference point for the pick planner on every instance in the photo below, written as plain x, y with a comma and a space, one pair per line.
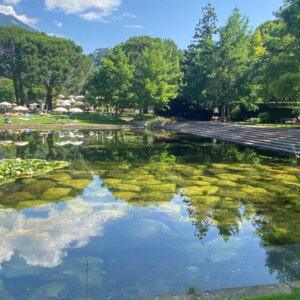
98, 54
6, 20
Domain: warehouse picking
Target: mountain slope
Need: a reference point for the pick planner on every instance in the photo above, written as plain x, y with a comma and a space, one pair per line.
98, 54
6, 20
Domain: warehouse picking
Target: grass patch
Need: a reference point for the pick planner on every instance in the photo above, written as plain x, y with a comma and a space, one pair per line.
266, 124
80, 119
295, 295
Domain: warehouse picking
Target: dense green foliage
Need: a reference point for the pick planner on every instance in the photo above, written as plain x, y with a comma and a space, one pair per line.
240, 68
141, 73
230, 68
40, 65
6, 90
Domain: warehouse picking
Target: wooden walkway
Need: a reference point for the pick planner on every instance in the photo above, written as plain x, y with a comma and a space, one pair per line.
274, 138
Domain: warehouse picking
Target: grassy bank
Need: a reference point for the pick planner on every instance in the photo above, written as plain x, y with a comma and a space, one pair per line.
80, 119
267, 124
295, 295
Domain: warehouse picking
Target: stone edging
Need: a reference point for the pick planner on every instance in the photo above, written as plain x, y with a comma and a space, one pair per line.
251, 291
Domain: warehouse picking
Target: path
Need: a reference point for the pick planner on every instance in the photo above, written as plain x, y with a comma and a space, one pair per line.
274, 138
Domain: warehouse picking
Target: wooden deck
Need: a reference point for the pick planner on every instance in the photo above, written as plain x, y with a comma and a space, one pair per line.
274, 138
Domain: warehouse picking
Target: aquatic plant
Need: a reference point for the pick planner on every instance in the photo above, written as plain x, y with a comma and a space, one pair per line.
11, 169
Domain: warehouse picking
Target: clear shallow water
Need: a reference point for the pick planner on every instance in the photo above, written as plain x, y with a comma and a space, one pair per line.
149, 214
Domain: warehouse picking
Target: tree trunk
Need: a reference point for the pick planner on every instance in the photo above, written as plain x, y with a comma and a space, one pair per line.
145, 109
21, 92
16, 89
227, 113
116, 109
223, 114
49, 99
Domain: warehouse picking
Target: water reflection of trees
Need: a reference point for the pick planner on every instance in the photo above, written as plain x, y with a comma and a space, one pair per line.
223, 185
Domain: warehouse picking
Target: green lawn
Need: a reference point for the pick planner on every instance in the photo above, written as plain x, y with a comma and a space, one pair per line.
80, 119
267, 124
295, 295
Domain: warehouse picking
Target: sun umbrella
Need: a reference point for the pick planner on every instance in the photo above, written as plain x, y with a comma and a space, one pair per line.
65, 103
20, 108
79, 103
79, 98
60, 109
21, 144
76, 110
7, 104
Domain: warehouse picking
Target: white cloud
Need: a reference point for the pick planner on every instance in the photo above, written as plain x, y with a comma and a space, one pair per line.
94, 16
58, 23
133, 26
92, 10
129, 15
44, 241
54, 34
13, 2
9, 10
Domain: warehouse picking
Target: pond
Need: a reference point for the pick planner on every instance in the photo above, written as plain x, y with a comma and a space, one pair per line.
138, 214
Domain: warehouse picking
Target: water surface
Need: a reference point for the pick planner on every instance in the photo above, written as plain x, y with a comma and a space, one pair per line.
141, 214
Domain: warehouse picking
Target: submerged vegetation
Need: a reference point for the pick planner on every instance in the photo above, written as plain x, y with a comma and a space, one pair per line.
182, 194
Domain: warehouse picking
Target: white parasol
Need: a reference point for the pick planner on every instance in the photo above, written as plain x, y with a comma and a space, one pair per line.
20, 108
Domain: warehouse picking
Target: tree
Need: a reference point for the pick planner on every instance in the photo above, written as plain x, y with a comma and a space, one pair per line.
283, 70
111, 83
13, 49
199, 57
7, 90
228, 72
59, 64
32, 59
204, 31
156, 71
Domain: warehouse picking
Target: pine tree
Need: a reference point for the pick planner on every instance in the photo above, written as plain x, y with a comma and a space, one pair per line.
204, 30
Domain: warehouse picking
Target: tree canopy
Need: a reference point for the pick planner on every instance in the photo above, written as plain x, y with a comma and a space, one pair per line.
142, 73
35, 60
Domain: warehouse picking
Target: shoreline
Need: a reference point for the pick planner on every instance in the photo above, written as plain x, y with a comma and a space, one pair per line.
67, 127
229, 293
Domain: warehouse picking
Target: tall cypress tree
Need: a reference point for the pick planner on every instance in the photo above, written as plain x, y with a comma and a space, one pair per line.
204, 30
199, 56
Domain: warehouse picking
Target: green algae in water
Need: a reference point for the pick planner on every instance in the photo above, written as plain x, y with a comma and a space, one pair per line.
187, 213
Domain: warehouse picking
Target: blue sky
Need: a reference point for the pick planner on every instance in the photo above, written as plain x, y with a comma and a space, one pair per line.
105, 23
